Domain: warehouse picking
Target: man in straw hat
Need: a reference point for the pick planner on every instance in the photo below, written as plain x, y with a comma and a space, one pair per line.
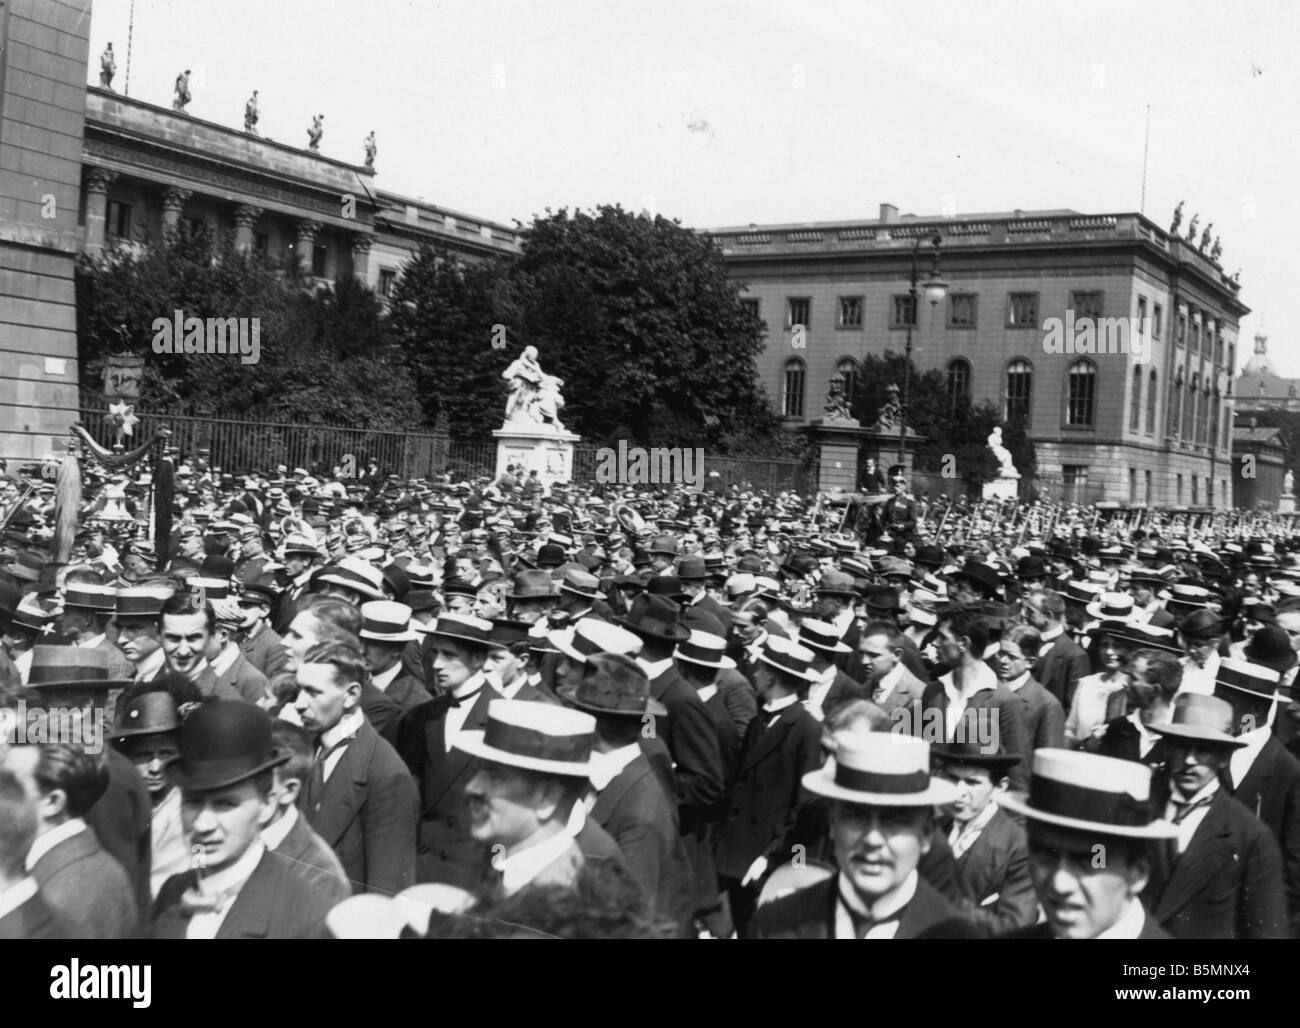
525, 792
1222, 877
882, 810
385, 631
1265, 778
782, 745
237, 888
631, 802
1089, 823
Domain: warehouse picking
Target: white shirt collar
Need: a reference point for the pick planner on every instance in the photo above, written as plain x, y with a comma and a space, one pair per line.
889, 680
16, 895
605, 767
46, 841
225, 660
707, 693
92, 642
776, 706
473, 683
521, 867
843, 620
881, 908
274, 834
963, 836
384, 679
1016, 684
1129, 925
232, 878
151, 664
654, 670
979, 679
1054, 632
349, 724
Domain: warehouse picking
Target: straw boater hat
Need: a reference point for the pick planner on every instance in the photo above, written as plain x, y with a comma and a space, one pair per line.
1201, 719
533, 736
589, 636
387, 621
789, 657
1255, 679
465, 627
356, 575
706, 649
820, 636
1087, 792
880, 769
99, 598
1111, 607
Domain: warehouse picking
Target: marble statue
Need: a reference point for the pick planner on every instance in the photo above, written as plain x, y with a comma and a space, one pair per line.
1288, 483
182, 91
534, 395
1178, 219
107, 67
891, 414
1205, 237
371, 149
836, 407
315, 132
1006, 468
1216, 251
251, 114
1191, 229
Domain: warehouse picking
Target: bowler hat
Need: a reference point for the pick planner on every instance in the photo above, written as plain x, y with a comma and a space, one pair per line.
1201, 624
692, 569
981, 576
224, 742
667, 585
551, 555
656, 617
1271, 646
968, 751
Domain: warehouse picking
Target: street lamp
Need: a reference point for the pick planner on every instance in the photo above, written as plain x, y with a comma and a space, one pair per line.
935, 290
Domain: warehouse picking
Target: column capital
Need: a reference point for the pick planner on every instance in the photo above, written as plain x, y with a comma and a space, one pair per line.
308, 229
361, 243
99, 180
174, 197
246, 215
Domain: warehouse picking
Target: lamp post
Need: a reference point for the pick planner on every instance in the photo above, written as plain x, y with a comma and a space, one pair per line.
935, 290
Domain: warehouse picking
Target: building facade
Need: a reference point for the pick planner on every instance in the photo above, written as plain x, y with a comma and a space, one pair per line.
1149, 424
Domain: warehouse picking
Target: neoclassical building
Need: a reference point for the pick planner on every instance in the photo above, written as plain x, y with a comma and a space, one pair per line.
1151, 425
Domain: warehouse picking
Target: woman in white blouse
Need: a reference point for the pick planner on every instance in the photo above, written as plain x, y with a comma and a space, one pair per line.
1109, 655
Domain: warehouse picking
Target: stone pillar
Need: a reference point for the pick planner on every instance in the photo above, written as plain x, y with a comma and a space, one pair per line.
246, 216
98, 183
173, 202
361, 257
307, 231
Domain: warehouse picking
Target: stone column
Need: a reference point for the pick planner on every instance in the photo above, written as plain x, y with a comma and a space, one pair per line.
98, 183
246, 216
307, 231
173, 202
361, 257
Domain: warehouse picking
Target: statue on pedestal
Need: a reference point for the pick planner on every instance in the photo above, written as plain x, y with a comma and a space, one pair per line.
1006, 468
315, 132
251, 114
182, 91
371, 149
1178, 219
1216, 251
1288, 483
534, 395
836, 407
1191, 229
1205, 237
107, 67
891, 414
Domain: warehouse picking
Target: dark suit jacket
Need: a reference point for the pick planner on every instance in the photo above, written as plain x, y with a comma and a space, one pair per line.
1044, 716
445, 850
123, 821
245, 679
314, 857
902, 697
1122, 740
35, 919
407, 691
88, 888
1059, 668
380, 710
118, 665
367, 814
851, 663
688, 733
278, 901
810, 914
739, 697
1271, 791
639, 817
1012, 734
1226, 885
766, 794
266, 652
997, 863
844, 690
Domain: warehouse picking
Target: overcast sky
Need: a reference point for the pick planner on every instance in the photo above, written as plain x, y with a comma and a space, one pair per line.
725, 112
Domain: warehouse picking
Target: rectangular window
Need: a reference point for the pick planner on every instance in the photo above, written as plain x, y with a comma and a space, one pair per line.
961, 310
1180, 333
798, 311
1148, 486
1132, 485
1022, 310
750, 306
388, 280
902, 312
1142, 314
260, 242
1178, 485
194, 226
119, 219
319, 254
1074, 479
850, 312
1157, 321
1086, 303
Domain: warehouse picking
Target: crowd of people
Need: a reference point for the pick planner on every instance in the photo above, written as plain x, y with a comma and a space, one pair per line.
394, 708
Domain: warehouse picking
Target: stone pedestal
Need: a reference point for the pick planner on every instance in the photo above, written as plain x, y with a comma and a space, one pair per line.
546, 451
1286, 504
841, 444
1002, 488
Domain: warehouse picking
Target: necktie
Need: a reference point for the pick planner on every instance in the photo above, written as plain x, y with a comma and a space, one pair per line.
316, 783
1184, 810
445, 701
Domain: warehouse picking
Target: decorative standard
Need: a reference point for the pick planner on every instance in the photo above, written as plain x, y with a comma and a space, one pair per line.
532, 435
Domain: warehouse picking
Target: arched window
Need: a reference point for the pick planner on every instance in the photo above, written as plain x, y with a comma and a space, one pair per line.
1082, 389
958, 381
792, 391
847, 369
1151, 404
1019, 392
1135, 402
